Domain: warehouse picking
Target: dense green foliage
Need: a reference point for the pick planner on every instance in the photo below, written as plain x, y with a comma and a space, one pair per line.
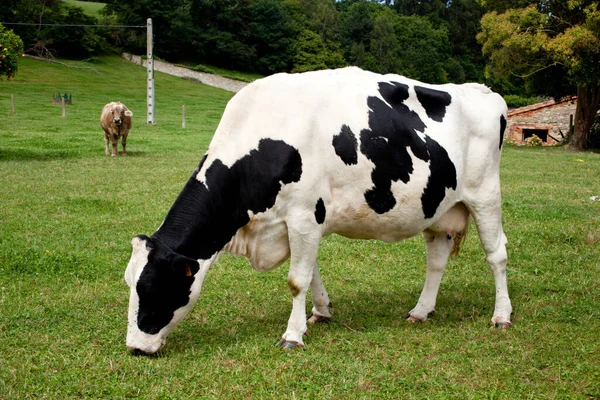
555, 44
432, 40
42, 40
69, 213
11, 48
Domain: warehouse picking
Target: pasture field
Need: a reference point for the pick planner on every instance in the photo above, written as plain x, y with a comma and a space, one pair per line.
89, 8
68, 213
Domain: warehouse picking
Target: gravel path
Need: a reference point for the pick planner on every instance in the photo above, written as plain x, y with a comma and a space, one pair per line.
208, 79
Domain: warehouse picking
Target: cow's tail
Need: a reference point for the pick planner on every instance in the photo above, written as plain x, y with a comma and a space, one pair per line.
459, 238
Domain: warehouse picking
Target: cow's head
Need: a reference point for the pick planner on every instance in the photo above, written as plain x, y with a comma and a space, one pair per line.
164, 286
119, 112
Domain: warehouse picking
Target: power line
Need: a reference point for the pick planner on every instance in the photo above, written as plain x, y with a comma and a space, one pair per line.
73, 25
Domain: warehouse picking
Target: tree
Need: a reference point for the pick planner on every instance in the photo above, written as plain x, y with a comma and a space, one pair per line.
384, 45
558, 39
423, 49
11, 46
311, 53
271, 32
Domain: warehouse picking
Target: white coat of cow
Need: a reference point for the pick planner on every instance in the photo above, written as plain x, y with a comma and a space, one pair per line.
298, 157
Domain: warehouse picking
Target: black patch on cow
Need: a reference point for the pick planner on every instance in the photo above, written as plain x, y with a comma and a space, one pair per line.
203, 220
320, 211
434, 102
502, 128
164, 286
393, 130
443, 175
345, 145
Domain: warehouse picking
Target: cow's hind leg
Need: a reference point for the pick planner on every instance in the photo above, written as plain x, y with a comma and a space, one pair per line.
488, 219
439, 246
304, 238
321, 304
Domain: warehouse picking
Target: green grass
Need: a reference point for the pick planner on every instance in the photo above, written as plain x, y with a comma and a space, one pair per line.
227, 73
68, 214
90, 8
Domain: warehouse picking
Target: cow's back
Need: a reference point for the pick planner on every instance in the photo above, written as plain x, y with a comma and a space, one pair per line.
386, 155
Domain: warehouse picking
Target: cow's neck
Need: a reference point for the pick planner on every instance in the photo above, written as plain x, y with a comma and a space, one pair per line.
207, 214
202, 221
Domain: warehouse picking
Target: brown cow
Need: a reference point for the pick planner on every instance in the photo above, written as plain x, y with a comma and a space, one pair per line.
116, 122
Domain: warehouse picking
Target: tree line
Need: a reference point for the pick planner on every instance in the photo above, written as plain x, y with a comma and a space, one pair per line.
430, 40
518, 47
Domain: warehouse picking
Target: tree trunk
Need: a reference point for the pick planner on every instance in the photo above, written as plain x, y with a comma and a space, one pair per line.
588, 102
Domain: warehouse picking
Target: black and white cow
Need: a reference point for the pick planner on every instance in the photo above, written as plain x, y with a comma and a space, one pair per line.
298, 157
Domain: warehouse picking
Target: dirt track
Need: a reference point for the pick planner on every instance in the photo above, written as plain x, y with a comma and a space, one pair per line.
202, 77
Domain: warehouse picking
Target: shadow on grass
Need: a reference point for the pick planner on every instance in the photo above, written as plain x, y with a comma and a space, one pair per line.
19, 154
359, 311
129, 154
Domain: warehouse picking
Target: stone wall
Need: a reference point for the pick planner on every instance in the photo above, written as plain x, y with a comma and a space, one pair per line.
548, 116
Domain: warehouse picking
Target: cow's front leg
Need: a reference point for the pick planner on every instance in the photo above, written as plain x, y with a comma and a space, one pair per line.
304, 248
124, 143
321, 305
115, 140
439, 246
106, 141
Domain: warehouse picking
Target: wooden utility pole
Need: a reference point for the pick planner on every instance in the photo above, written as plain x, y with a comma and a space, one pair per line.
150, 65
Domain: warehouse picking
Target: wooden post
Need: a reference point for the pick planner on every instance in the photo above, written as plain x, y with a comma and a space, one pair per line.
571, 127
63, 107
183, 125
12, 103
150, 66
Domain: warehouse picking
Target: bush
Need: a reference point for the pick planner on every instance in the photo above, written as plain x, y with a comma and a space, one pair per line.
594, 135
11, 47
516, 101
533, 141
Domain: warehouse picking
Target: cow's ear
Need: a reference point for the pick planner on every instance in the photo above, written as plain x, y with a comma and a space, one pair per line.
128, 113
185, 266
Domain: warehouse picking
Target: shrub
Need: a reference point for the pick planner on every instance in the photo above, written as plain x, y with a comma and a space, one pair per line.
594, 135
516, 101
533, 141
11, 47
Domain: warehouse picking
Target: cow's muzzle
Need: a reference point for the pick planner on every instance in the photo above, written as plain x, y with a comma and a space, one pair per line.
145, 348
117, 121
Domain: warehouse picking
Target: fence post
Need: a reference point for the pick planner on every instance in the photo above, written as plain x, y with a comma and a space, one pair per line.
12, 103
150, 118
183, 125
63, 107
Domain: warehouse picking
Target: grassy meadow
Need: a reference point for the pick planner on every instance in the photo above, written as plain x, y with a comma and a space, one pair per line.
89, 7
68, 213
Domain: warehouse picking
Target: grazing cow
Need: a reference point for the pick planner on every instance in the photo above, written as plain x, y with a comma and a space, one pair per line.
298, 157
116, 122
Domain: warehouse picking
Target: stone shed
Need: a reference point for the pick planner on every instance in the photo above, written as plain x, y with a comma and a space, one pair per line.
545, 120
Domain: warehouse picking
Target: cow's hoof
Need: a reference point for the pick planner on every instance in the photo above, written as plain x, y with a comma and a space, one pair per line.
124, 154
503, 325
413, 318
314, 319
288, 344
113, 155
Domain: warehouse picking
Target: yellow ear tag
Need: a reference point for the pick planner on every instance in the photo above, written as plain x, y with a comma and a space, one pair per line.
188, 271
